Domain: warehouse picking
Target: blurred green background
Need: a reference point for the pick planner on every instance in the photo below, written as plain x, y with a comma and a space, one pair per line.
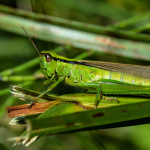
16, 49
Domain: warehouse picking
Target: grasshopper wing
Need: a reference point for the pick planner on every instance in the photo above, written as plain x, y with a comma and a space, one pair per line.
135, 70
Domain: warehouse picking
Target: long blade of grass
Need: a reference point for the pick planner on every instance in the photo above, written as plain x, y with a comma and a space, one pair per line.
110, 31
78, 39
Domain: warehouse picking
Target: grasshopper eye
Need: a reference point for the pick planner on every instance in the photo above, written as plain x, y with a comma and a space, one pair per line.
48, 57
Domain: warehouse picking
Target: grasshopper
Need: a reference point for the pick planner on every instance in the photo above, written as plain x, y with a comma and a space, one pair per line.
104, 77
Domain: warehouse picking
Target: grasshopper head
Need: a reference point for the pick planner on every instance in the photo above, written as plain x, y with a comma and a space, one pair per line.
48, 63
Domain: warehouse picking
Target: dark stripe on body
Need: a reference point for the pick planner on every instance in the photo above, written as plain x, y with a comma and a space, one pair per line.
66, 61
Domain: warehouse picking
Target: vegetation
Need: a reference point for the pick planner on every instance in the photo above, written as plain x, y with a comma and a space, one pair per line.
112, 30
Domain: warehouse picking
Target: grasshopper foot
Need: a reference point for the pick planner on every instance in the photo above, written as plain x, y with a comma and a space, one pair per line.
29, 107
110, 98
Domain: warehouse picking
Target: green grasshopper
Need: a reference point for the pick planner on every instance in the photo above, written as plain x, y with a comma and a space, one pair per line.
104, 77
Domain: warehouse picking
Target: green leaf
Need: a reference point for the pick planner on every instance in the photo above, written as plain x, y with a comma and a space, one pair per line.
90, 119
74, 112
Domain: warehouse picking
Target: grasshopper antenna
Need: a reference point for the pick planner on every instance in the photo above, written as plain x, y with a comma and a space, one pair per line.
35, 44
33, 41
